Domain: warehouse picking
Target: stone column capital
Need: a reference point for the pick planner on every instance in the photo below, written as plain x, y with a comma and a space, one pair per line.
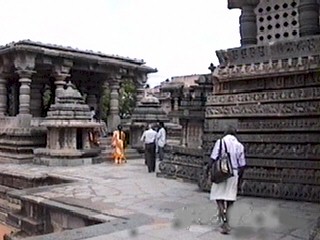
60, 76
25, 73
26, 81
24, 61
114, 84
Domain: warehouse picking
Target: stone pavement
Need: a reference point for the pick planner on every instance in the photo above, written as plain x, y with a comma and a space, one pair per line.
158, 208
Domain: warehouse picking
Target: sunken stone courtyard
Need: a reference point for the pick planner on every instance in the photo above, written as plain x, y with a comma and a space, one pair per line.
57, 178
106, 201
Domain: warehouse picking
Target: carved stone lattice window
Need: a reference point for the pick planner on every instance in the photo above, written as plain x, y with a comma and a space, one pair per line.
277, 20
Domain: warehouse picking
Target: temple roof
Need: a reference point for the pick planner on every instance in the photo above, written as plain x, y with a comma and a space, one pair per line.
74, 53
149, 110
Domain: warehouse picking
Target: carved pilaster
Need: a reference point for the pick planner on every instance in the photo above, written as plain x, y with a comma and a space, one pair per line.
61, 73
85, 139
3, 95
36, 99
308, 17
141, 81
24, 91
248, 24
114, 118
60, 82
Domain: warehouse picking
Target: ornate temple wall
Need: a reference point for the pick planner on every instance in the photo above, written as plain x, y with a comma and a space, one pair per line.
275, 105
194, 134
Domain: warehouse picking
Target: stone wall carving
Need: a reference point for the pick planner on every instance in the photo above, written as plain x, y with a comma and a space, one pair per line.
266, 97
267, 110
277, 118
264, 83
181, 162
302, 47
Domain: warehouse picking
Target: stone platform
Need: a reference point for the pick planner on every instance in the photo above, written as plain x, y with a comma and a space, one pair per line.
134, 204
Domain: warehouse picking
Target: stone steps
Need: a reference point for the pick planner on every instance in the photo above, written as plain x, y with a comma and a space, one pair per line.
105, 145
129, 153
29, 225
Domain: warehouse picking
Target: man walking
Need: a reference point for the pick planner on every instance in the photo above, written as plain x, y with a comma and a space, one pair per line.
225, 193
149, 139
161, 140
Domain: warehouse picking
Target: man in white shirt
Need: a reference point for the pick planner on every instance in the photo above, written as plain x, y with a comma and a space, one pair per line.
225, 193
149, 139
161, 140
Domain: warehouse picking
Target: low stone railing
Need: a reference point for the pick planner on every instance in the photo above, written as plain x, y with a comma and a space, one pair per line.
181, 162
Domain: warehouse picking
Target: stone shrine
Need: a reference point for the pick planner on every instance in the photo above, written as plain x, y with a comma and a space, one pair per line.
32, 78
149, 111
68, 124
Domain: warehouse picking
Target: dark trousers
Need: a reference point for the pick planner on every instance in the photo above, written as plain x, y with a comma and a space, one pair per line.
161, 153
150, 156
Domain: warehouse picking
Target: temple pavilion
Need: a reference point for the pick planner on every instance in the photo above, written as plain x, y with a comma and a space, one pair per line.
33, 76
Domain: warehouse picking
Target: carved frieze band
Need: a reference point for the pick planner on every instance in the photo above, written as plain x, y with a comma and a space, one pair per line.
299, 151
276, 67
268, 83
284, 175
270, 138
290, 191
300, 124
264, 110
265, 125
265, 97
283, 163
284, 151
304, 47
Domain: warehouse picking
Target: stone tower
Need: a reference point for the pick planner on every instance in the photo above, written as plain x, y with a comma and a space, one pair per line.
269, 89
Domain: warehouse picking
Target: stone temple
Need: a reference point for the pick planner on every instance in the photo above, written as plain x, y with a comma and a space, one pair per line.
269, 89
33, 76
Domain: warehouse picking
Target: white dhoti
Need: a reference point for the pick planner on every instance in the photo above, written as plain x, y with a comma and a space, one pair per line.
226, 190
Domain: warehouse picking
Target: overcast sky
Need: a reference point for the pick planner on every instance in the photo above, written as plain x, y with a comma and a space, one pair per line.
178, 37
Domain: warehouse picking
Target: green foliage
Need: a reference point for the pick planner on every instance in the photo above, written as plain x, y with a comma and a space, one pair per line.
127, 98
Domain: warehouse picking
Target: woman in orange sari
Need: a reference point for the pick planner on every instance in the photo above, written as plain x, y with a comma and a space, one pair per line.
118, 143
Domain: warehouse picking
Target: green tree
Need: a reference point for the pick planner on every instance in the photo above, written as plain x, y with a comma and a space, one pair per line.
127, 98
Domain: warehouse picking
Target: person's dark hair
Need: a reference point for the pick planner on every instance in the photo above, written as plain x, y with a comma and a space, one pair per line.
230, 130
119, 127
161, 124
91, 108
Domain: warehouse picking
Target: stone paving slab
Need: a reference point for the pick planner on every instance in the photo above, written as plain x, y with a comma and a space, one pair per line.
175, 209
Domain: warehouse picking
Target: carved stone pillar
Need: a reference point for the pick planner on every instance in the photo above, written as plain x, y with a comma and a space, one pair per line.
60, 82
24, 91
114, 118
141, 80
92, 100
308, 17
73, 138
36, 99
248, 24
3, 96
175, 108
85, 139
